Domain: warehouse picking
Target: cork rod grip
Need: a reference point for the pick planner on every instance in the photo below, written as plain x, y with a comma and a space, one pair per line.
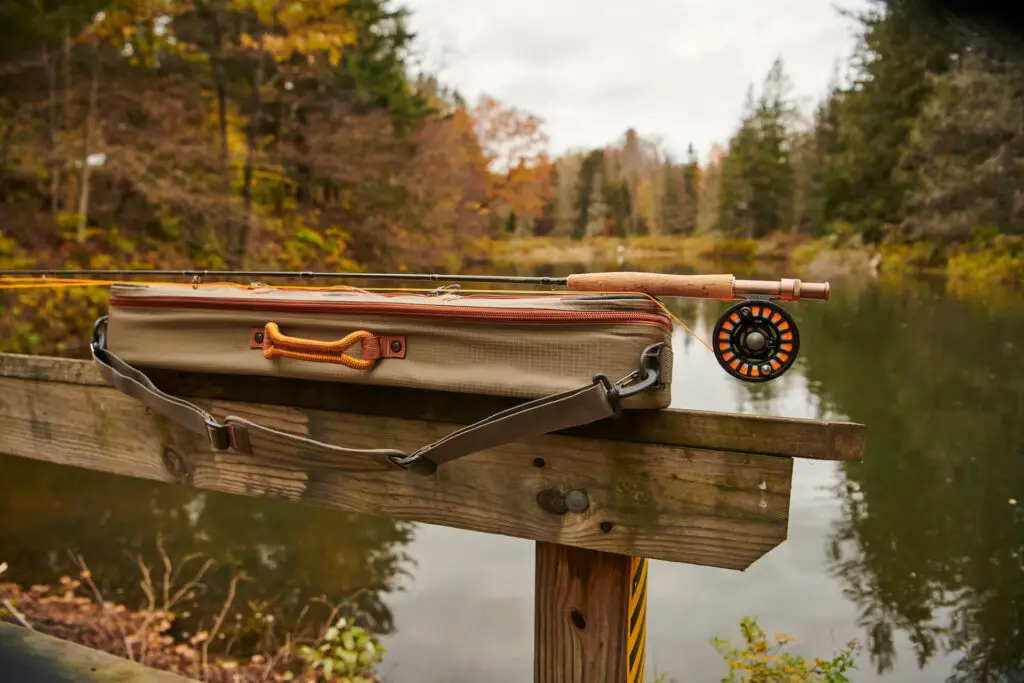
656, 284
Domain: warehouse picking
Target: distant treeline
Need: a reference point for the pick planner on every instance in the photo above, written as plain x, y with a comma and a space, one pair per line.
920, 136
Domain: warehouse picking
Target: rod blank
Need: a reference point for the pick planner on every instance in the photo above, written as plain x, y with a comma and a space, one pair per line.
721, 286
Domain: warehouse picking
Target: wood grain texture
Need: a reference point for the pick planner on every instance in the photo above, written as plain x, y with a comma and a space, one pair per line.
700, 506
35, 657
581, 615
766, 435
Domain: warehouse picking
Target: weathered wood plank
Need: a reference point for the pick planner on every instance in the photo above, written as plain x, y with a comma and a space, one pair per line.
581, 615
32, 656
699, 506
766, 435
50, 369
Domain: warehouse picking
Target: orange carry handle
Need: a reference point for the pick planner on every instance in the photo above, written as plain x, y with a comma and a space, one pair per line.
278, 345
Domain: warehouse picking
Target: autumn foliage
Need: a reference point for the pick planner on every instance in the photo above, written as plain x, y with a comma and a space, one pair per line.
249, 133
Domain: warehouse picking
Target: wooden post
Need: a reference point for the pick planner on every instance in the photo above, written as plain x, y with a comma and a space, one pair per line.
590, 616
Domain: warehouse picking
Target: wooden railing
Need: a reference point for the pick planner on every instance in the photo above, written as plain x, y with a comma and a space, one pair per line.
676, 485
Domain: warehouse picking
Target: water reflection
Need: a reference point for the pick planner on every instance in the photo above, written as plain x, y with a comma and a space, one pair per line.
929, 541
291, 553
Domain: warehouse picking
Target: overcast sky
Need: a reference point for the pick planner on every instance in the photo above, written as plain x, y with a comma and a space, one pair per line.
676, 69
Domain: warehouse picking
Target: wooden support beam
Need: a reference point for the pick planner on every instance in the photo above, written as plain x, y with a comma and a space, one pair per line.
589, 616
698, 505
27, 655
764, 435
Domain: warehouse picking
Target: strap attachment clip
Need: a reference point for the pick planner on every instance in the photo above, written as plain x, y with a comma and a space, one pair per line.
648, 375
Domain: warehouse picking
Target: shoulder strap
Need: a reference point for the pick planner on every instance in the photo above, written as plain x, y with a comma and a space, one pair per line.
589, 403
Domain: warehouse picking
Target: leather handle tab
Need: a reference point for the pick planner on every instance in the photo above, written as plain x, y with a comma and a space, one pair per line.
655, 284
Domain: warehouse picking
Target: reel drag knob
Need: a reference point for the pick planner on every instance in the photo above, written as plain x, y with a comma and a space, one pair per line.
756, 341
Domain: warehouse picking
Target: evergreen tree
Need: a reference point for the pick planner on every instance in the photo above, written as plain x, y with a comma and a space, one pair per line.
588, 192
673, 199
755, 196
813, 151
898, 51
691, 186
968, 145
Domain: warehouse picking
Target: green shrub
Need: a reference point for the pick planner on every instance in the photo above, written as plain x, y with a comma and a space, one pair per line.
760, 660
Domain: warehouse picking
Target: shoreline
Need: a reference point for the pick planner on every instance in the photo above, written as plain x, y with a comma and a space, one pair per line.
999, 263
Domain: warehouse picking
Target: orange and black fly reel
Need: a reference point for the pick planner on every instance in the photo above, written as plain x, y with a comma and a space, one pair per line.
756, 341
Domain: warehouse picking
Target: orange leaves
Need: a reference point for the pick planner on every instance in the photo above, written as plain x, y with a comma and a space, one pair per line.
515, 157
509, 136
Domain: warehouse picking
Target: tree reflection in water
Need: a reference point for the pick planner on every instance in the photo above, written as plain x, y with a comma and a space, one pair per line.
930, 542
291, 553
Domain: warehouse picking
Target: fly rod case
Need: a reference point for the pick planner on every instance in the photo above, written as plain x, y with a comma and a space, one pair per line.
573, 358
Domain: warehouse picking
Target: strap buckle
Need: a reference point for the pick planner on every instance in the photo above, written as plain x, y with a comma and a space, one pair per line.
414, 462
646, 376
220, 435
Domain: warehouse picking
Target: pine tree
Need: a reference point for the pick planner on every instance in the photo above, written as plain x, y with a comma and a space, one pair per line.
691, 188
588, 192
673, 198
968, 145
755, 197
898, 51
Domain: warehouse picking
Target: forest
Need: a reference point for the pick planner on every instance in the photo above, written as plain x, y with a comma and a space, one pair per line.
269, 133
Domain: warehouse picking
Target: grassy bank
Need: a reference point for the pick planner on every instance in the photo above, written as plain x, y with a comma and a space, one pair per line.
997, 260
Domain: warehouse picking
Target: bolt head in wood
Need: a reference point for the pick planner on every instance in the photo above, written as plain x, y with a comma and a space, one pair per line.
577, 501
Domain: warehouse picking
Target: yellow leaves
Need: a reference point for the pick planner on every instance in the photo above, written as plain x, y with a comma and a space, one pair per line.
299, 28
647, 200
247, 43
307, 41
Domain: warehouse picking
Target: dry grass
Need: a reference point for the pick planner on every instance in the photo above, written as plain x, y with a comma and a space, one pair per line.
76, 610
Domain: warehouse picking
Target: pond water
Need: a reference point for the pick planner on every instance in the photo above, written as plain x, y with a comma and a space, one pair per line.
917, 552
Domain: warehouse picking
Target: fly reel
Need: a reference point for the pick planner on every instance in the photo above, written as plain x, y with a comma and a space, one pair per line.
756, 341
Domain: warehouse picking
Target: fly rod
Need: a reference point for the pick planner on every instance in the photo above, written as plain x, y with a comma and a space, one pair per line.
722, 286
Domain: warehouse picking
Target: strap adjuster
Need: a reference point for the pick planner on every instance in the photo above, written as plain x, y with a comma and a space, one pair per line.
414, 462
220, 435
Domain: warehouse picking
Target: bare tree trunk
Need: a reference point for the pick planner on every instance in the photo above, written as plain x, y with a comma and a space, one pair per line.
242, 236
303, 162
220, 85
66, 125
5, 144
51, 130
90, 125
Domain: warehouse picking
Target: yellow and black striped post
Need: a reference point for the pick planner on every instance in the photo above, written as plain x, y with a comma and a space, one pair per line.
636, 631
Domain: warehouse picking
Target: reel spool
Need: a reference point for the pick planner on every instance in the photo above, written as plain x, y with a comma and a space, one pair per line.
756, 341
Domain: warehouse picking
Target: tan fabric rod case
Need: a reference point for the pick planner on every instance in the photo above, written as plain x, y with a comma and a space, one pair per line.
549, 348
527, 346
